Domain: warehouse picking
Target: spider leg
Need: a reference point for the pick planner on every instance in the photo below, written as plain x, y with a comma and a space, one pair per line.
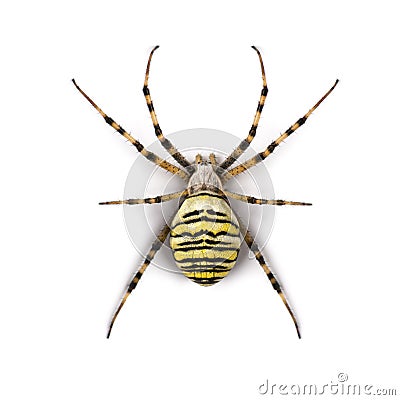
263, 155
147, 154
132, 284
254, 200
148, 200
252, 133
164, 141
274, 282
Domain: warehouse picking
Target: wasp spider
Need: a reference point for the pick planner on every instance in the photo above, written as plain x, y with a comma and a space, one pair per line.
205, 232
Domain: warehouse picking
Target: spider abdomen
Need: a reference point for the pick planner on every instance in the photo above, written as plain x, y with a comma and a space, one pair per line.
205, 238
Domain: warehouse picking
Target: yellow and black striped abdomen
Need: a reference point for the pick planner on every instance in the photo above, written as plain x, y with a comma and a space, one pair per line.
205, 238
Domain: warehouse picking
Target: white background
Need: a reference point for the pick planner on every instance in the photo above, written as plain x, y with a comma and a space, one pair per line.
65, 260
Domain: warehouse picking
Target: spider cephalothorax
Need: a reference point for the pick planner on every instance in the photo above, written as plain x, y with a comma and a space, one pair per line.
205, 232
204, 174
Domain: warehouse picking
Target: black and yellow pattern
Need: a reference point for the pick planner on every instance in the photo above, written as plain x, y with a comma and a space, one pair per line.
264, 154
132, 284
248, 238
244, 144
205, 238
148, 200
205, 233
157, 129
254, 200
140, 148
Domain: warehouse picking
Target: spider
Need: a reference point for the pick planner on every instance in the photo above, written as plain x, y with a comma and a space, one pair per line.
205, 232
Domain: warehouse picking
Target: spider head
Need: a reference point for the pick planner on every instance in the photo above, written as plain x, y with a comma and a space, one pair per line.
204, 176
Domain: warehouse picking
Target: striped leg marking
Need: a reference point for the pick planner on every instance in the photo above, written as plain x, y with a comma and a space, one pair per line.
274, 282
154, 248
149, 200
147, 154
263, 155
252, 133
164, 141
254, 200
